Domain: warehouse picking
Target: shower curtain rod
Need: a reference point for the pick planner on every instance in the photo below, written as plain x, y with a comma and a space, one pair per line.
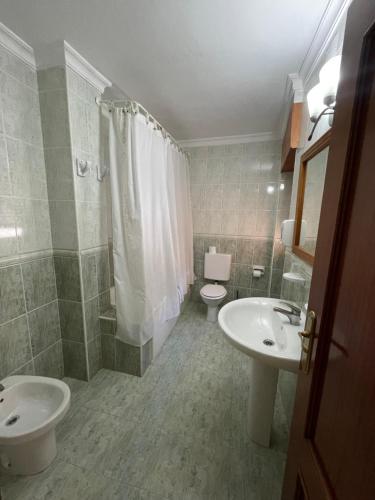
134, 106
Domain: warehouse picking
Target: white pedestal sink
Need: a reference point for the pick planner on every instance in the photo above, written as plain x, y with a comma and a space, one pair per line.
252, 326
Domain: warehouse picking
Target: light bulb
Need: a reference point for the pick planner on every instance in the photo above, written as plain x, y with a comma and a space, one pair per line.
315, 102
329, 77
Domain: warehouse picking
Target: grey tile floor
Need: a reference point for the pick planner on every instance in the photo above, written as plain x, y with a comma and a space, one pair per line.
180, 432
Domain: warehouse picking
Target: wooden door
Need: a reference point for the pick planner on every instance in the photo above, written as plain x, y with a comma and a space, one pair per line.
332, 444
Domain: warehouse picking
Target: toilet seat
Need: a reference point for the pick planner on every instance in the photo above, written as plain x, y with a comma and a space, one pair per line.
213, 291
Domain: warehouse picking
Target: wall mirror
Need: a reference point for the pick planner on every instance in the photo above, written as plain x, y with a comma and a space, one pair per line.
309, 198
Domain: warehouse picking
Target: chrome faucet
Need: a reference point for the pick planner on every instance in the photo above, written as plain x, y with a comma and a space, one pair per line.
293, 314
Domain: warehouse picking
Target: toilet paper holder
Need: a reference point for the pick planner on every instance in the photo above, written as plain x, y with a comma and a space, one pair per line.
258, 271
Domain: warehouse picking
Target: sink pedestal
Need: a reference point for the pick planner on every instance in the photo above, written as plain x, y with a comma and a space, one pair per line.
253, 326
262, 401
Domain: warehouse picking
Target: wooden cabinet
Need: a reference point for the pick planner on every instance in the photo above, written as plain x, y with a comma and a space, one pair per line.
291, 137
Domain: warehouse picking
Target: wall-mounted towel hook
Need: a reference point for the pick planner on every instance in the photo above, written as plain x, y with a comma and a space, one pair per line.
83, 167
101, 172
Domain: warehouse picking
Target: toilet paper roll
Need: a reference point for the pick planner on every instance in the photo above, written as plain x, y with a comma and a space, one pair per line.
257, 273
211, 249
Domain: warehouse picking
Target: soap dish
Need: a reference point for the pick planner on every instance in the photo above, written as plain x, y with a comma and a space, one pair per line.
294, 278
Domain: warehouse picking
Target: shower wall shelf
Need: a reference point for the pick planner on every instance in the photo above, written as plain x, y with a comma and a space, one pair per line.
294, 278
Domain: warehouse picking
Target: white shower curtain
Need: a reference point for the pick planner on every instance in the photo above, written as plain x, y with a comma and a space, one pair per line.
181, 216
152, 226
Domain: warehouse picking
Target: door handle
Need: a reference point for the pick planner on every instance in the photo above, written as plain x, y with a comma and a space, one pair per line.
304, 335
307, 337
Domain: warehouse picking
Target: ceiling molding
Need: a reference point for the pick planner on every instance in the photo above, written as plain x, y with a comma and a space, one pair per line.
230, 139
80, 65
17, 46
333, 16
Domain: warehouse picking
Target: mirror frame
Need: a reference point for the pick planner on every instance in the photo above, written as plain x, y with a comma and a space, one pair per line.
308, 155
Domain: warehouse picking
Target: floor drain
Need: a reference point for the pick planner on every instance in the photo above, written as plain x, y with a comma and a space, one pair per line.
268, 342
12, 420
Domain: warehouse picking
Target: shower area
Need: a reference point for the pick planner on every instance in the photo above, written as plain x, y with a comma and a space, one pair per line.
121, 244
145, 176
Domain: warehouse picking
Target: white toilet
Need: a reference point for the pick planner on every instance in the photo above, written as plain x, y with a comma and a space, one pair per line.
30, 409
216, 267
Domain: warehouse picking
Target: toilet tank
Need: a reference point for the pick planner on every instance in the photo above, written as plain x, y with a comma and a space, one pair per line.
217, 266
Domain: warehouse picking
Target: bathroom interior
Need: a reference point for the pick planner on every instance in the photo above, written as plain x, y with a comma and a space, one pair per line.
163, 176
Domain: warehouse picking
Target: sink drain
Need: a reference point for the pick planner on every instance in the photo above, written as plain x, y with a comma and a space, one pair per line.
12, 420
268, 342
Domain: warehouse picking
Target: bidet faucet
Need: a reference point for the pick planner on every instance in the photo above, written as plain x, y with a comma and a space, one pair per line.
294, 314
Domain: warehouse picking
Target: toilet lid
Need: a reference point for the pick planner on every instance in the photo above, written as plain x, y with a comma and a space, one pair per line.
213, 291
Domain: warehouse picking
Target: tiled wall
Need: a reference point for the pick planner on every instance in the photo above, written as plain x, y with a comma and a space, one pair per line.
90, 194
58, 157
60, 182
239, 197
70, 119
30, 339
90, 198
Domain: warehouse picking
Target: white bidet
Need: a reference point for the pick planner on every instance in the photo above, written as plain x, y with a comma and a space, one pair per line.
30, 409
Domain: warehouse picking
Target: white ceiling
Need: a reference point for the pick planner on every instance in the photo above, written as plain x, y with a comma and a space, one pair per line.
204, 68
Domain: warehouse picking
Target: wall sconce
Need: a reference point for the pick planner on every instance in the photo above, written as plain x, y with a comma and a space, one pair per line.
321, 99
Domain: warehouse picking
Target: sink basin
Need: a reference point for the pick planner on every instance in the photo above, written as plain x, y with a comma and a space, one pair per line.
252, 326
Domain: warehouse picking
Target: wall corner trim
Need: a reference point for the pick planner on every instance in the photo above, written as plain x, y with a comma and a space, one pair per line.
80, 65
230, 139
17, 46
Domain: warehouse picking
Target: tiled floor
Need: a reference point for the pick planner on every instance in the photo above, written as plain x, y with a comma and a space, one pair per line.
177, 433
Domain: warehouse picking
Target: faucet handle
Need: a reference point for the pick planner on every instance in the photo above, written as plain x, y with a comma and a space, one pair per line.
294, 309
